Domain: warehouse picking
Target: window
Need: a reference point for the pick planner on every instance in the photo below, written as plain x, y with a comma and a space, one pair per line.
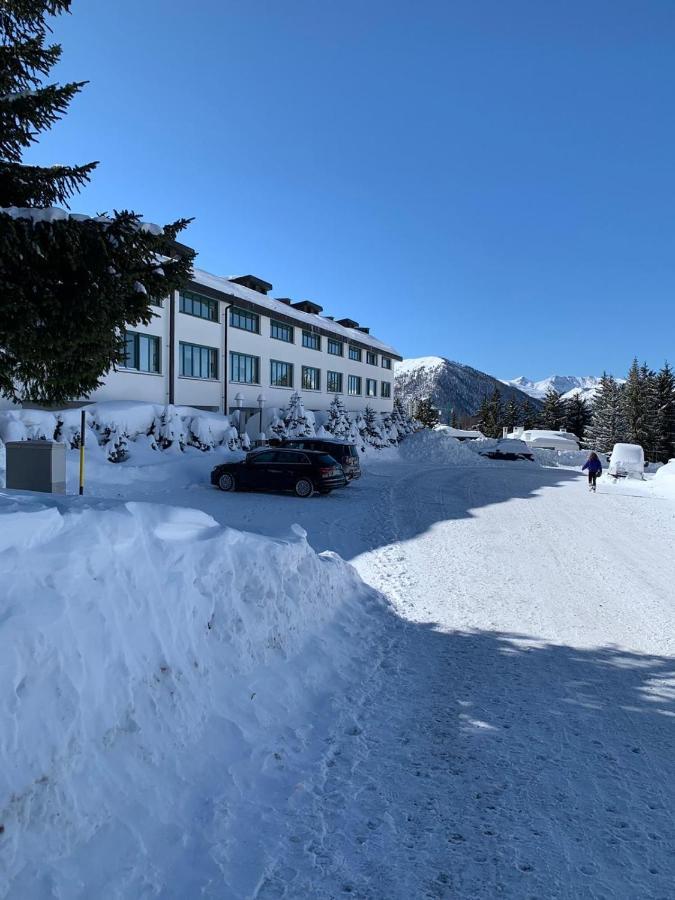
353, 385
281, 332
334, 382
141, 352
355, 354
244, 369
385, 389
311, 341
197, 361
371, 358
281, 374
247, 321
371, 387
335, 347
195, 305
386, 362
311, 379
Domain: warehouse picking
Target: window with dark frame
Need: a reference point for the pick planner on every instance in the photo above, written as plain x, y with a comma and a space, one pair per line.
371, 358
355, 354
281, 374
371, 387
335, 348
311, 378
281, 332
141, 352
354, 385
385, 389
197, 361
386, 362
247, 321
334, 382
244, 369
196, 305
311, 341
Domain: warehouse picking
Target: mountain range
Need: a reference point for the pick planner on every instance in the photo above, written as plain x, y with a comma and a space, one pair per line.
451, 386
566, 385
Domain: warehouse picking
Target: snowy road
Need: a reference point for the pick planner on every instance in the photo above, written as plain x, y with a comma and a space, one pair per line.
518, 739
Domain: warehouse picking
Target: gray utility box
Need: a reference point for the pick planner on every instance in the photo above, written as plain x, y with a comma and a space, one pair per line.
36, 466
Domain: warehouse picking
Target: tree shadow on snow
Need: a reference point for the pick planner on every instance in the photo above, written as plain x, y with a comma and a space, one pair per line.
389, 503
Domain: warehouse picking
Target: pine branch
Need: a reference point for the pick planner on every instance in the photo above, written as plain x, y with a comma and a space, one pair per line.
24, 114
41, 186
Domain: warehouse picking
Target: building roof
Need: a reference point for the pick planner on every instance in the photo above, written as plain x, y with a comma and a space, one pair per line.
269, 305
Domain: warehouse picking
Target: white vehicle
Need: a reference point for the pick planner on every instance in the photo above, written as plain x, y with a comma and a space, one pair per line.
627, 461
543, 439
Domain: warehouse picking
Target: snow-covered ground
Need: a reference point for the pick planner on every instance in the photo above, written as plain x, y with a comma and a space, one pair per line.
505, 726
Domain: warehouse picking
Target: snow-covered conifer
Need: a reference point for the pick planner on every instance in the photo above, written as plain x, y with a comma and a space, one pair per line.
608, 424
297, 424
338, 422
69, 284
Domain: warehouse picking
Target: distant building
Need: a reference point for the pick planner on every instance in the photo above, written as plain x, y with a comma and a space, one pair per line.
223, 344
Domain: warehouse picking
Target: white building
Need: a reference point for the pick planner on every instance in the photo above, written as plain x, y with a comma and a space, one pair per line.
223, 344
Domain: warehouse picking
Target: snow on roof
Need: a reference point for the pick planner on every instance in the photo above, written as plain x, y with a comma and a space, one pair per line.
56, 214
224, 285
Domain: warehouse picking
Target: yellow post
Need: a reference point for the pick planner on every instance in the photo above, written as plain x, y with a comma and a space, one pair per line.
82, 433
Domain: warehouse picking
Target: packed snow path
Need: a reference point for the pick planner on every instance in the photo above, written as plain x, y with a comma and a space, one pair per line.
519, 737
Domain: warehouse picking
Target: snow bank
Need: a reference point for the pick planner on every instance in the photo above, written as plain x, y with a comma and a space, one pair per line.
438, 447
663, 482
165, 682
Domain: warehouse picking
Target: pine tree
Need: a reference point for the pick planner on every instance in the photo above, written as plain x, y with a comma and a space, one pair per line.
426, 413
640, 408
577, 415
528, 414
68, 284
372, 430
295, 419
665, 414
512, 414
453, 419
608, 424
338, 422
553, 411
491, 415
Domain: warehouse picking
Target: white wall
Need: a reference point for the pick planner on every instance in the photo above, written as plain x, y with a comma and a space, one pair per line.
131, 385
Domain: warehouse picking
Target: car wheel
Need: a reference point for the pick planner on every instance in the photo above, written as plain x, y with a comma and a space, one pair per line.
226, 482
304, 487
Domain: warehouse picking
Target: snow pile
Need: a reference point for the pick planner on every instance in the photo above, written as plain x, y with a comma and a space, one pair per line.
438, 447
162, 679
664, 480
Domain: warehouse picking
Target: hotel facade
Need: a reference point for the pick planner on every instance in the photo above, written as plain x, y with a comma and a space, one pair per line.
223, 344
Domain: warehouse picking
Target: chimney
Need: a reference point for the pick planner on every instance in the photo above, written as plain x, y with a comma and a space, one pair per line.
308, 307
286, 300
363, 329
253, 283
348, 323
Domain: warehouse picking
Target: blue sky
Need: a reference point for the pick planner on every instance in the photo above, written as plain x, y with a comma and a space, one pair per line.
485, 180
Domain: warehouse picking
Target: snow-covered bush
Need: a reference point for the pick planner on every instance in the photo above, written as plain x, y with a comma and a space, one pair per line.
296, 420
338, 423
169, 430
117, 446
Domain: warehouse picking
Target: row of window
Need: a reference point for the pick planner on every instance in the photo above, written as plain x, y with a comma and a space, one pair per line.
245, 369
280, 331
142, 352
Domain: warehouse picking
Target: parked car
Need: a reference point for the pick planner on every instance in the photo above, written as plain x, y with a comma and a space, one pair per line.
508, 448
345, 453
281, 469
626, 461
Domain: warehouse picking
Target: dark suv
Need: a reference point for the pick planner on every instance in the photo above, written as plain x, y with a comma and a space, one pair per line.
281, 469
346, 454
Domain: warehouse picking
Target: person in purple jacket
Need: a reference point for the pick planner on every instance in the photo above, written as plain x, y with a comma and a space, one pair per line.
594, 468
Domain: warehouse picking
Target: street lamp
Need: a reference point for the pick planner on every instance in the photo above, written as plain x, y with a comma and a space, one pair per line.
261, 403
239, 400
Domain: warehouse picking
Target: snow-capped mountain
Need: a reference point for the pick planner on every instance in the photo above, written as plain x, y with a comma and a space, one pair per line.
451, 385
566, 385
